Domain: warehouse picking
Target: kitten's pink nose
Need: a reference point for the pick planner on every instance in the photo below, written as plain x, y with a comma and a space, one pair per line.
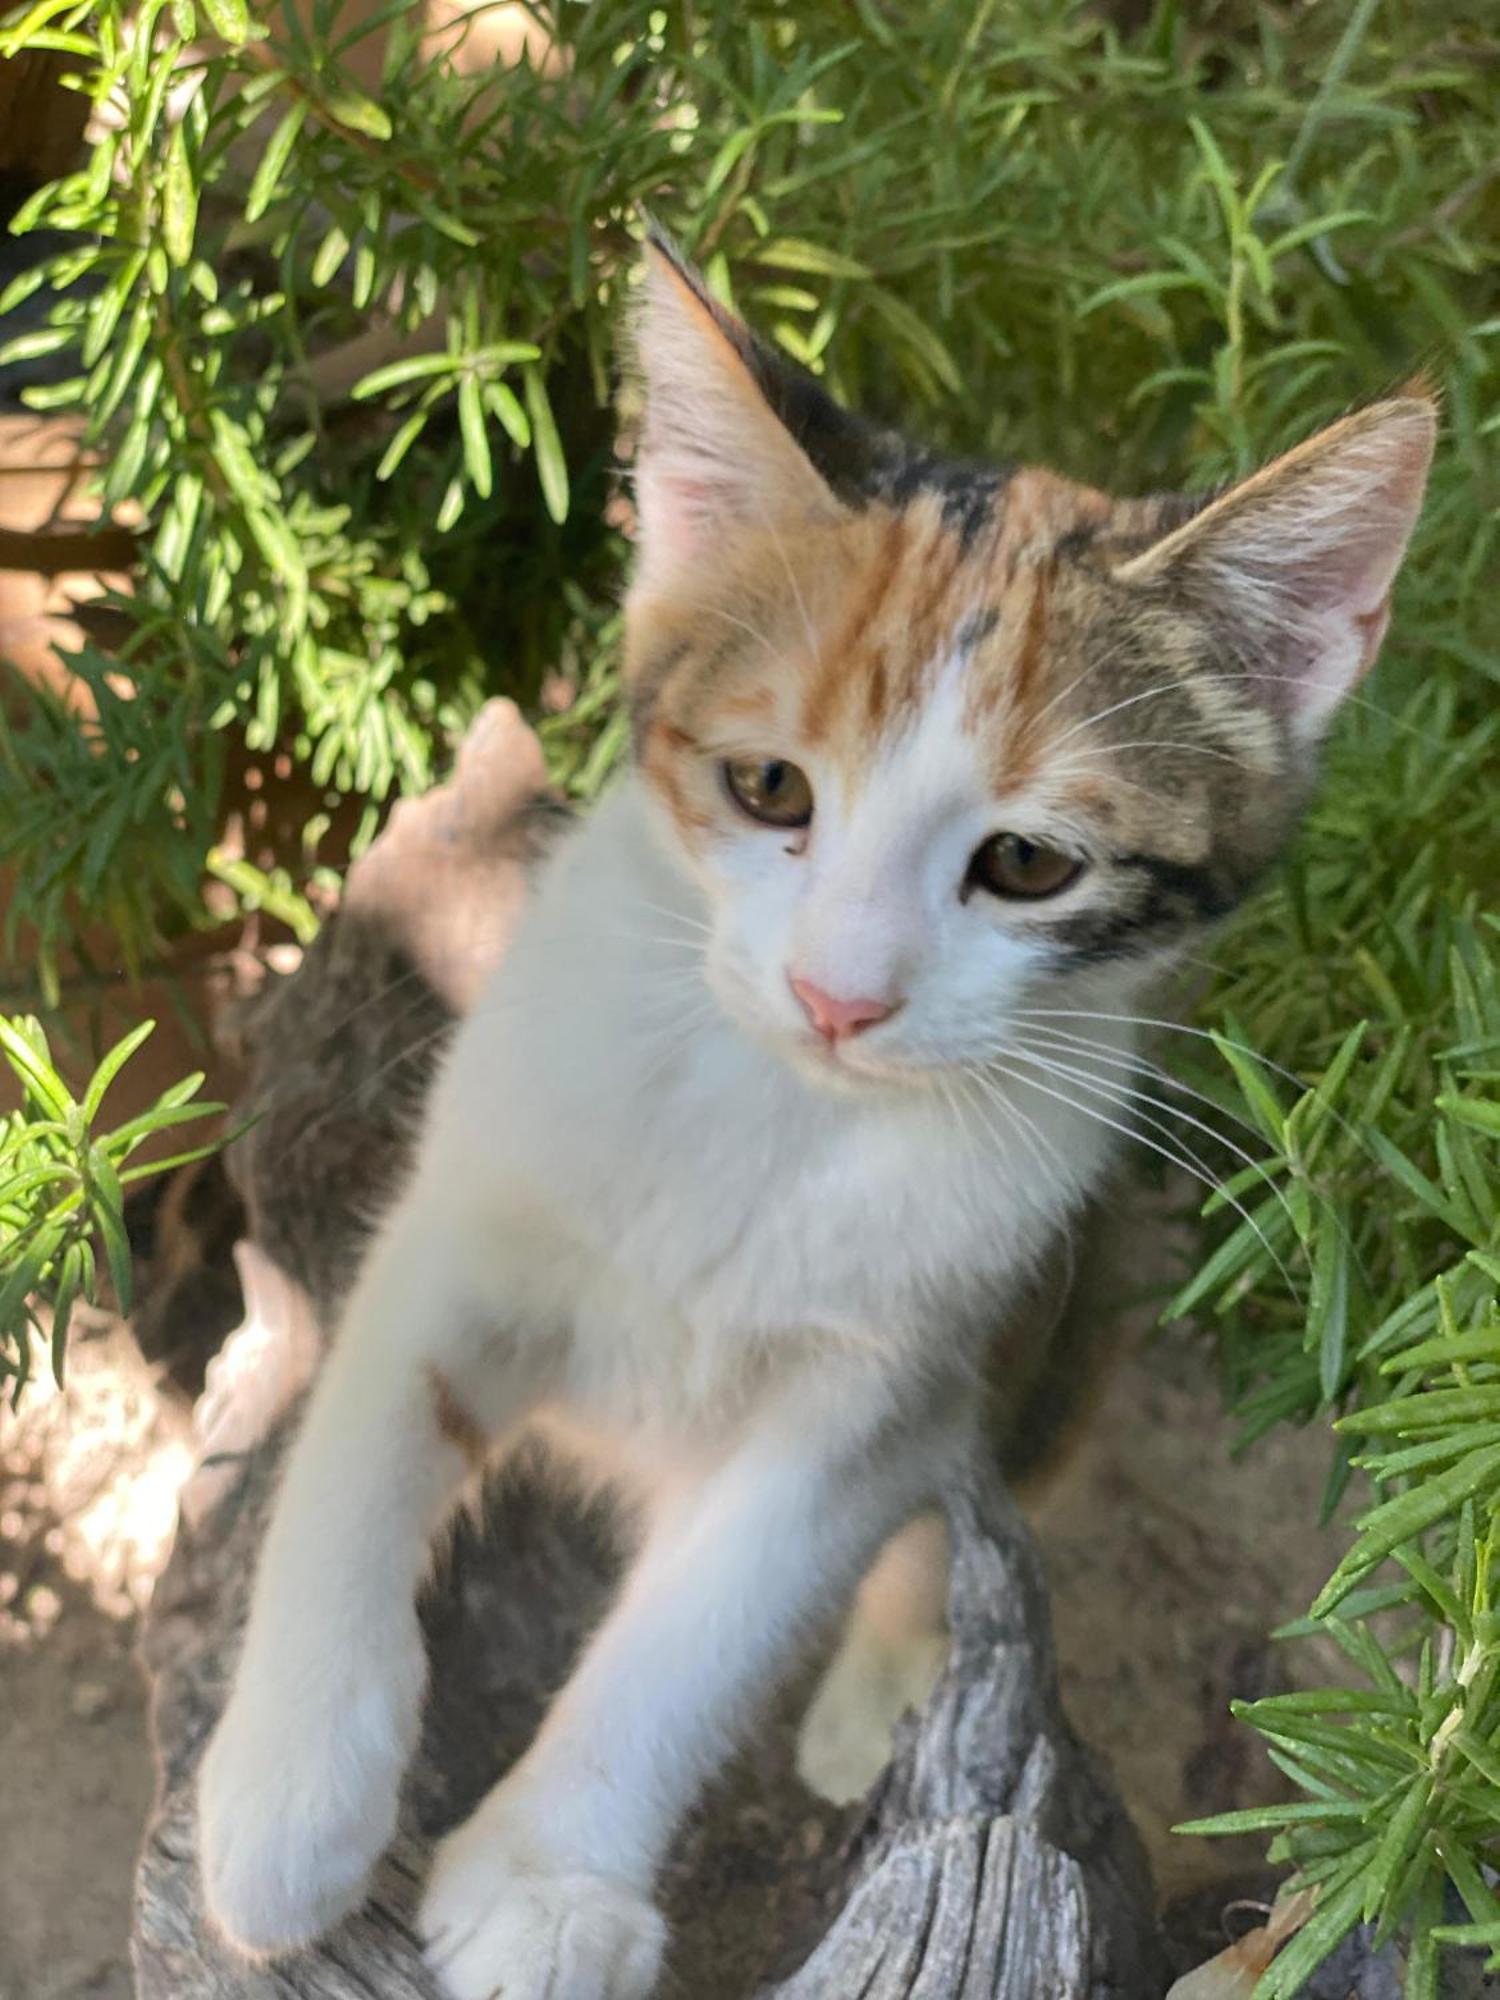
834, 1019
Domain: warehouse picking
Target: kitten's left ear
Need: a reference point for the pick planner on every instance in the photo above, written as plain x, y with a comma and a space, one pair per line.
1297, 562
713, 457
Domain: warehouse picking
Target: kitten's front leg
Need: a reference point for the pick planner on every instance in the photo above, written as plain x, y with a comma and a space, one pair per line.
545, 1892
297, 1792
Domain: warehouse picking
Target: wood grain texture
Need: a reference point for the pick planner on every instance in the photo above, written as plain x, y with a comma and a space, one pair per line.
993, 1859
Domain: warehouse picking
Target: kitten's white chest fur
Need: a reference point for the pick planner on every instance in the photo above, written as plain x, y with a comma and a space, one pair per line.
678, 1205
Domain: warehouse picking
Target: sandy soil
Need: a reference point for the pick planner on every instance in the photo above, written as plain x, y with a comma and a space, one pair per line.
1169, 1561
88, 1493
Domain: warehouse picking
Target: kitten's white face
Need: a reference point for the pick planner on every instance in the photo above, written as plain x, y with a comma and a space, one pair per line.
942, 745
906, 965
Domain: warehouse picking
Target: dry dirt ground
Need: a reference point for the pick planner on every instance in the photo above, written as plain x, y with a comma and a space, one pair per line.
1170, 1562
88, 1497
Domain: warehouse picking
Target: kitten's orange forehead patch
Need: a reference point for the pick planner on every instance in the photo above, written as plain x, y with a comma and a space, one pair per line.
875, 667
921, 592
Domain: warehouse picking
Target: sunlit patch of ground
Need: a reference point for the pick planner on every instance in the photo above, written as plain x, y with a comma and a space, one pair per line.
1170, 1562
88, 1499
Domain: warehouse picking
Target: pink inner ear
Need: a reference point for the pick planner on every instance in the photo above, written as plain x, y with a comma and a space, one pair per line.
677, 511
1338, 557
1345, 644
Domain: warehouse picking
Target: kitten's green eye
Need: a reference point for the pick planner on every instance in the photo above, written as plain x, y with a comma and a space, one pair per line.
1008, 864
769, 790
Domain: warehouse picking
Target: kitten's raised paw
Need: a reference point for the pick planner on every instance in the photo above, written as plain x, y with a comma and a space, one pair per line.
497, 1923
845, 1740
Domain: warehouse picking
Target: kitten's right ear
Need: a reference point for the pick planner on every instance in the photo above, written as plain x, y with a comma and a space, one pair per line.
712, 457
1300, 558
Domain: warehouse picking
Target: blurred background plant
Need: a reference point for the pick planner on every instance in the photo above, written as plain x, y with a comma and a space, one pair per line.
334, 296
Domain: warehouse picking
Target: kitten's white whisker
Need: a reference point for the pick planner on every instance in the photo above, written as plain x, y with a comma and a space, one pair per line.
1043, 1150
1082, 764
692, 945
791, 577
953, 1093
776, 657
1067, 1043
1102, 715
680, 916
1185, 1160
1349, 699
1182, 1028
1131, 1094
662, 1009
1237, 679
676, 1034
1209, 965
1152, 1021
1109, 658
1159, 743
1080, 1043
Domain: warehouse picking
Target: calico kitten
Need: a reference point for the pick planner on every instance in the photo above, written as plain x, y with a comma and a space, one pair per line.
763, 1125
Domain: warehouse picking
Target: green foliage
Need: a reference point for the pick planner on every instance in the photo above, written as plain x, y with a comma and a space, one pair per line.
1401, 1328
1150, 257
990, 220
62, 1189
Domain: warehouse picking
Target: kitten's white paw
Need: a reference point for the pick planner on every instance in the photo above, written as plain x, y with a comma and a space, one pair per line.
500, 1918
294, 1808
845, 1740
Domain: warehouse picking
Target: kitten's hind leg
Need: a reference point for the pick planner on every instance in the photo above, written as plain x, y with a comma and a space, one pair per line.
297, 1792
893, 1648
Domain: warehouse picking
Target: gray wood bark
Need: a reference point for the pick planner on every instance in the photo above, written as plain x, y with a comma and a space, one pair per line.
993, 1859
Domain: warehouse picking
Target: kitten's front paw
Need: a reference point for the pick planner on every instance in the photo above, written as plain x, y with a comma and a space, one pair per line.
291, 1819
501, 1918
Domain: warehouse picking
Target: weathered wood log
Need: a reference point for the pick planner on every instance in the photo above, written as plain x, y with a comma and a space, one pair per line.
992, 1859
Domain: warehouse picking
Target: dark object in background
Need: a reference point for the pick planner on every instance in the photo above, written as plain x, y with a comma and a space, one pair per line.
41, 138
183, 1229
41, 123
